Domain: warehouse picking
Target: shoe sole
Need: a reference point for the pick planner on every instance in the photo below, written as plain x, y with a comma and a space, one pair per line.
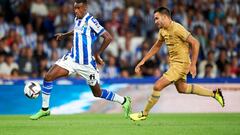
221, 95
129, 108
41, 116
137, 120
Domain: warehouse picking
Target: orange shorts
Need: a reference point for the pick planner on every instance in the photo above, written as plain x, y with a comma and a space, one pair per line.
177, 71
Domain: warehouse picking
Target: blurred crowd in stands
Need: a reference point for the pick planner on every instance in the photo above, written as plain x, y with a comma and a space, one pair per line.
28, 47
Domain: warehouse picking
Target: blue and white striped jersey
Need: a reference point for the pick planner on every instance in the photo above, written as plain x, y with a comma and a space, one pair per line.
86, 31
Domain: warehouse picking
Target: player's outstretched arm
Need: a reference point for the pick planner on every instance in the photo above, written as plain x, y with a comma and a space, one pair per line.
60, 36
155, 48
195, 49
107, 38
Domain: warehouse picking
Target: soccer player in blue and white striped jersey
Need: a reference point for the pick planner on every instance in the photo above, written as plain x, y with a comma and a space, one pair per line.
81, 61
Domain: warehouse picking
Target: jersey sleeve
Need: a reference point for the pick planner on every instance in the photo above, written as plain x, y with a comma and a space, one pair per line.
160, 37
94, 24
182, 33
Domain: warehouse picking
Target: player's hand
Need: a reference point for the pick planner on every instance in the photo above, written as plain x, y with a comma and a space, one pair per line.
98, 59
138, 67
59, 36
193, 70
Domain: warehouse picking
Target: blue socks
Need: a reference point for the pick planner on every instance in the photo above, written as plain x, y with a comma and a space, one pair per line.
47, 87
109, 95
46, 91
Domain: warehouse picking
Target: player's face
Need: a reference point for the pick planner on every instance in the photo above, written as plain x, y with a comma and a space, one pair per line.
159, 20
80, 9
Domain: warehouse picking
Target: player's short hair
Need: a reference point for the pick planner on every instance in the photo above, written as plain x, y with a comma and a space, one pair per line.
81, 1
163, 10
208, 65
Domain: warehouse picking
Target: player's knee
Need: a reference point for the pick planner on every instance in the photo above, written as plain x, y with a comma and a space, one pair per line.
48, 77
181, 91
157, 88
97, 94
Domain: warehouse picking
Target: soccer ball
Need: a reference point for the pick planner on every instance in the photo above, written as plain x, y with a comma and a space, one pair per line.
32, 90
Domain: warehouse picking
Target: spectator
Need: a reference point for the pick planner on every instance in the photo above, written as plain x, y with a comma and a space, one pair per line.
231, 33
114, 47
63, 20
39, 52
198, 21
231, 16
125, 73
54, 48
126, 56
109, 5
111, 70
211, 66
199, 34
11, 37
180, 15
4, 27
222, 61
208, 72
148, 21
124, 27
3, 45
227, 71
94, 8
67, 47
28, 64
17, 26
2, 59
136, 22
38, 7
235, 66
53, 58
216, 28
15, 51
16, 75
38, 25
9, 64
30, 39
114, 22
232, 49
213, 46
43, 67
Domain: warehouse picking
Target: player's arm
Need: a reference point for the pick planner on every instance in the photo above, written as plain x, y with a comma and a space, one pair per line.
60, 36
195, 50
155, 48
107, 38
100, 31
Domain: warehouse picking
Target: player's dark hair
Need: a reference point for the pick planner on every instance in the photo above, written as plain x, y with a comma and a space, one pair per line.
163, 10
81, 1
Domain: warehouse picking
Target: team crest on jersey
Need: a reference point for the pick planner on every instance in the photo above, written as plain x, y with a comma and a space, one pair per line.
84, 26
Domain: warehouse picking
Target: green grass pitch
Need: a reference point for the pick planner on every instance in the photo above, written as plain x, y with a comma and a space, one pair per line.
115, 124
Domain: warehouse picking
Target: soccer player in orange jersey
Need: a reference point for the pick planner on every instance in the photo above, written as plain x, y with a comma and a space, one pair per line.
178, 41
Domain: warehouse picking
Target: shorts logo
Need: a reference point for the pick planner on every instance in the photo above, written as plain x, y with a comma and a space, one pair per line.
92, 77
65, 57
92, 81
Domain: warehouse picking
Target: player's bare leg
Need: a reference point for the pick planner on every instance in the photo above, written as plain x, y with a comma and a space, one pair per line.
183, 87
159, 85
111, 96
54, 73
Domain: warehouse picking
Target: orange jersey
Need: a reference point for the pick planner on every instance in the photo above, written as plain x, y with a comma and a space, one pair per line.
175, 37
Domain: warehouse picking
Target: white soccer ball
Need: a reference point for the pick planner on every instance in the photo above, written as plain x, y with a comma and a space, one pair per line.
32, 89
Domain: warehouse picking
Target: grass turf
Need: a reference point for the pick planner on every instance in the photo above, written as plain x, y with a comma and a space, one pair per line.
115, 124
